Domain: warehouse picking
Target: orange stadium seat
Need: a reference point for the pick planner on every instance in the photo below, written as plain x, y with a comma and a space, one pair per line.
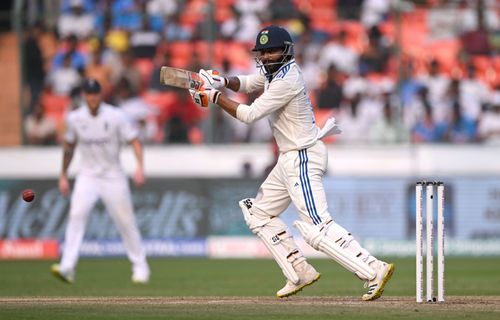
486, 70
55, 109
225, 3
193, 13
307, 4
323, 19
239, 56
203, 51
161, 100
195, 135
219, 52
496, 63
414, 31
495, 82
181, 53
222, 14
446, 52
388, 30
355, 34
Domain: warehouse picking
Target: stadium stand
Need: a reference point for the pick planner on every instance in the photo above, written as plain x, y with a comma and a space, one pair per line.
383, 42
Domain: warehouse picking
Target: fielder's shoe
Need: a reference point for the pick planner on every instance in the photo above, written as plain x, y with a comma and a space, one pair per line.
307, 275
139, 280
140, 275
67, 277
377, 285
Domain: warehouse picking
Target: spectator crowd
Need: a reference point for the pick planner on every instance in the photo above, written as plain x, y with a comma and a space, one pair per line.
389, 71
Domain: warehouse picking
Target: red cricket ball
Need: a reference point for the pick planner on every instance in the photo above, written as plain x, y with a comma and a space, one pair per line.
28, 195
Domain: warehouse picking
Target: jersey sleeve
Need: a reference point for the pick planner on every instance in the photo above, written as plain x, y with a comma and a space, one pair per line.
251, 83
277, 96
126, 129
70, 131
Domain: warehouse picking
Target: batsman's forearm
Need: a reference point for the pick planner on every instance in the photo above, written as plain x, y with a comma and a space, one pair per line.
139, 152
230, 106
68, 152
233, 83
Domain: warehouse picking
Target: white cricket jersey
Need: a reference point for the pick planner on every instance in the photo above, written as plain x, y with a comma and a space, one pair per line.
286, 102
99, 139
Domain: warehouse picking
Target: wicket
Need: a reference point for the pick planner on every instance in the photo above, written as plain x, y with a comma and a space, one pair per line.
429, 204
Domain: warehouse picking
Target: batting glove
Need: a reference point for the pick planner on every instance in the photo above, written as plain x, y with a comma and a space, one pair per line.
212, 79
204, 96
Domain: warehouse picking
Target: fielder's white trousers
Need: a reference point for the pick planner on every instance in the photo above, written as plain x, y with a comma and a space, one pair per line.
115, 194
297, 177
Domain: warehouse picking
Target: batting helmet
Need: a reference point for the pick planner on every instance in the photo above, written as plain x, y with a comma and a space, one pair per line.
273, 37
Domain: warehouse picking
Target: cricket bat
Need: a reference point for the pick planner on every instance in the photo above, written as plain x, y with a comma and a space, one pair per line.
180, 78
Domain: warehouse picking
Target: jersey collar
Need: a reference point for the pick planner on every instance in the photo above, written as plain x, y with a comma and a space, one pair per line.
271, 76
99, 109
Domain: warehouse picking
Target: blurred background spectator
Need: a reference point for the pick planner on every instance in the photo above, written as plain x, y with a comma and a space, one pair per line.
387, 128
39, 129
489, 124
330, 95
63, 79
138, 111
34, 62
460, 129
76, 22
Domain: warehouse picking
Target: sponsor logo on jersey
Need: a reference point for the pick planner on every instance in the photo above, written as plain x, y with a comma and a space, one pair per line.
95, 141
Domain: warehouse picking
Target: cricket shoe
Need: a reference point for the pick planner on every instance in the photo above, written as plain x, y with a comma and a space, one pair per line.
307, 275
140, 275
377, 285
67, 277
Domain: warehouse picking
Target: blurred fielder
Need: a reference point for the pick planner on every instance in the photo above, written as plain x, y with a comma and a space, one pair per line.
100, 130
297, 176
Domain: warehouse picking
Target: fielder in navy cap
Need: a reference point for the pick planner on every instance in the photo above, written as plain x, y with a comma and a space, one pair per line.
91, 86
98, 131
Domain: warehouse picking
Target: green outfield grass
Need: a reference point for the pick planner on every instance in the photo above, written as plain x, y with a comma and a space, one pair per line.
237, 289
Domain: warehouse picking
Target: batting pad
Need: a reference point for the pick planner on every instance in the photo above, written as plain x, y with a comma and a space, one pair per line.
276, 237
332, 244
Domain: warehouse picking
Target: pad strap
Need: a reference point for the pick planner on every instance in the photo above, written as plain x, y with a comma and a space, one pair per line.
335, 245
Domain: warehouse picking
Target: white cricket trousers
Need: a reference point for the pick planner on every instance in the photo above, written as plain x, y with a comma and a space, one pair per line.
115, 194
296, 177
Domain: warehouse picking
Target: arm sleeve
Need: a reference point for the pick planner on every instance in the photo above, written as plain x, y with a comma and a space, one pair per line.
127, 130
70, 132
277, 96
251, 83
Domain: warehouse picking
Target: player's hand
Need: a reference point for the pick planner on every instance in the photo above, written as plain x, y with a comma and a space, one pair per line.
63, 185
204, 96
139, 178
212, 79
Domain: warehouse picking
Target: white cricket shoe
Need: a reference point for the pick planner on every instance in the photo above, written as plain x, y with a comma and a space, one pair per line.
140, 275
307, 275
377, 285
64, 276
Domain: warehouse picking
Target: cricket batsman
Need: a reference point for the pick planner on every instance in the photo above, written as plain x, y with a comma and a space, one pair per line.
298, 173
